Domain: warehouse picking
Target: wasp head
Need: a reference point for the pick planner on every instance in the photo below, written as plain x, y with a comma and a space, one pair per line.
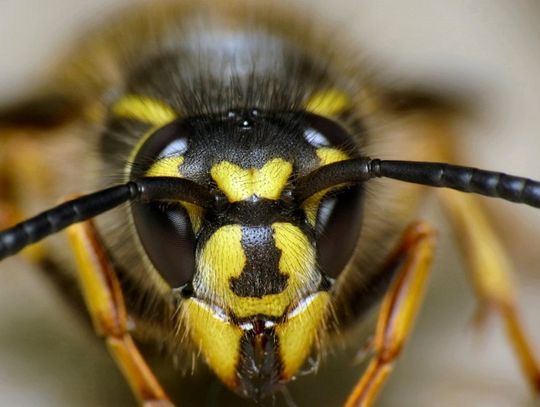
256, 268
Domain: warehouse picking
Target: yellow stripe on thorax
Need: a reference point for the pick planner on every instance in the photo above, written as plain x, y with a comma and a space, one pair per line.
239, 184
327, 155
144, 109
223, 259
328, 103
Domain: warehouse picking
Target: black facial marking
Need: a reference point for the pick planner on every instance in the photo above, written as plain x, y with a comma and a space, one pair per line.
263, 211
260, 275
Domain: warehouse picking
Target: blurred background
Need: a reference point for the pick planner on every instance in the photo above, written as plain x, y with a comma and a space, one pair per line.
488, 50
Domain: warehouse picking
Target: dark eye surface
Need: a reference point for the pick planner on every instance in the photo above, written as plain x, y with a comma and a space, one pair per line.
167, 236
165, 230
322, 132
338, 229
339, 215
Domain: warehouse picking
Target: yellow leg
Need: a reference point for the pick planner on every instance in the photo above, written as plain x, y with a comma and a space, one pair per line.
398, 311
21, 165
490, 271
103, 296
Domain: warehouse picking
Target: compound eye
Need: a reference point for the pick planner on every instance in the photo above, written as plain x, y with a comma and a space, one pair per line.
177, 147
339, 213
167, 236
169, 141
321, 132
338, 228
165, 229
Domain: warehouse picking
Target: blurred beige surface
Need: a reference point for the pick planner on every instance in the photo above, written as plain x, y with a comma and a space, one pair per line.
489, 50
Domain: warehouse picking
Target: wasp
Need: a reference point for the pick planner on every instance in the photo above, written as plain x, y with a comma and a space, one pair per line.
243, 213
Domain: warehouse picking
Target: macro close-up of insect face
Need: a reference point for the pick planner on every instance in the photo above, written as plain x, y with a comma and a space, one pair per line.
238, 204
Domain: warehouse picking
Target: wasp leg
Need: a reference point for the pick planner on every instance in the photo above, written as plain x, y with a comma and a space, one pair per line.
21, 164
103, 297
491, 274
413, 257
23, 127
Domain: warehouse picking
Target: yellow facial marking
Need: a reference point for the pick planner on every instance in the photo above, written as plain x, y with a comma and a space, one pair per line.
238, 184
328, 103
144, 109
304, 310
298, 333
166, 167
297, 253
326, 156
170, 167
195, 214
223, 258
329, 155
217, 339
311, 206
